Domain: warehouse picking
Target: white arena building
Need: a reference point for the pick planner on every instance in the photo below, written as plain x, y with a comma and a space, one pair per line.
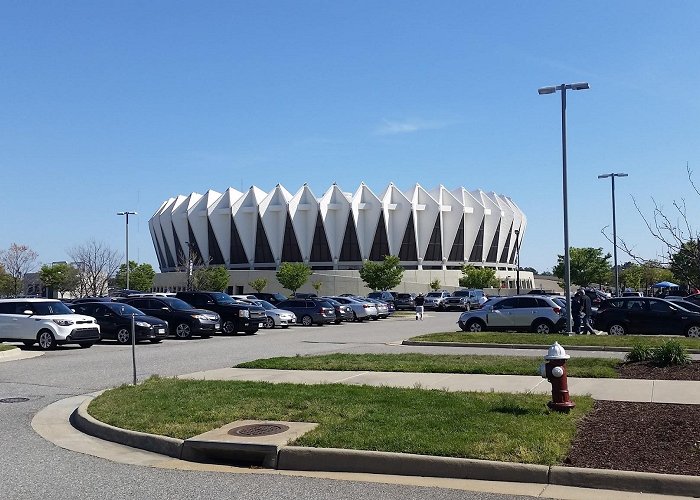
429, 230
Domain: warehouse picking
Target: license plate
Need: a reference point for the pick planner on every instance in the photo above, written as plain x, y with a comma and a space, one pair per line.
261, 325
161, 330
217, 326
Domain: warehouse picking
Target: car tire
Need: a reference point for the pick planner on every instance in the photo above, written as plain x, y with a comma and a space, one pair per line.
693, 331
156, 341
306, 320
474, 326
228, 327
183, 331
284, 327
85, 345
123, 336
46, 340
542, 326
616, 329
355, 318
269, 323
338, 321
374, 318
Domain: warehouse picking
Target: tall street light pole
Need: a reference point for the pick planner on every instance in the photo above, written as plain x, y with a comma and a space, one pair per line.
567, 268
617, 271
127, 214
517, 260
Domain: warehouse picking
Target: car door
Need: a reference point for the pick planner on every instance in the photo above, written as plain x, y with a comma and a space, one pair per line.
9, 320
499, 315
107, 319
524, 312
661, 318
23, 325
637, 316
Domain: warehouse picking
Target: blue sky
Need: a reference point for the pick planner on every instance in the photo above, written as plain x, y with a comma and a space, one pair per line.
111, 106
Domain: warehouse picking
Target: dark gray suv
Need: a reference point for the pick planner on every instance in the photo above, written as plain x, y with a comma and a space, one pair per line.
309, 312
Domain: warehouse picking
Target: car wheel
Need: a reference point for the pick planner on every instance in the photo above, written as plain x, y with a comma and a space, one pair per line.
542, 326
46, 340
337, 321
183, 331
228, 327
269, 323
616, 329
355, 318
284, 327
306, 320
474, 325
124, 336
85, 345
156, 341
374, 318
693, 331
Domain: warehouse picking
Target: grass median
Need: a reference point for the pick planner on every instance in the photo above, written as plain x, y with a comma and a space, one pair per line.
504, 427
548, 339
5, 347
430, 363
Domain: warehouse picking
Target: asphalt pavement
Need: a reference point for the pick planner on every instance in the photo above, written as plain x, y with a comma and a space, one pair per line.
33, 467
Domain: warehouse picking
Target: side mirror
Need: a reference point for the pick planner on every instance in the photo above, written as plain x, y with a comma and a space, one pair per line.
165, 308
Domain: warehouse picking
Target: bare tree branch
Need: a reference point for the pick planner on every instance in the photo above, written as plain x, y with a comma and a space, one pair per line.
97, 265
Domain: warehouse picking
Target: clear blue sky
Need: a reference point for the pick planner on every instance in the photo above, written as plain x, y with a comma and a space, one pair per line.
111, 106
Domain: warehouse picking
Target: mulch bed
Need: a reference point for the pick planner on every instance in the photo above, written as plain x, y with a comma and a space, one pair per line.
643, 437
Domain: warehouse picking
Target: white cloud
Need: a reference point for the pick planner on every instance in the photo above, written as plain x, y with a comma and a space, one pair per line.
392, 127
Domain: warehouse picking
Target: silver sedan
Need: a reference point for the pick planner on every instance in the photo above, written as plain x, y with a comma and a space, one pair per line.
276, 317
361, 308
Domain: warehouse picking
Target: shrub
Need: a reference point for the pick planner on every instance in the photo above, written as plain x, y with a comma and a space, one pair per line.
640, 352
671, 353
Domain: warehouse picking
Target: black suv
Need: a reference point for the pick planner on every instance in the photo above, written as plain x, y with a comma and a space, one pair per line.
114, 319
184, 320
235, 316
623, 315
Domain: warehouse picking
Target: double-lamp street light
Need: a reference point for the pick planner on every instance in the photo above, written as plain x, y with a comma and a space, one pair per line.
617, 271
567, 268
127, 214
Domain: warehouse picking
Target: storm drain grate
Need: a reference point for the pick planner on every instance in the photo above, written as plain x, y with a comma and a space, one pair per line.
13, 400
256, 430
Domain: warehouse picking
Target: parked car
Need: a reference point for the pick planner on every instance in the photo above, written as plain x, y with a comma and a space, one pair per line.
272, 298
596, 296
632, 294
383, 295
92, 299
361, 309
114, 319
405, 301
436, 300
235, 316
686, 304
464, 300
183, 319
646, 315
46, 322
382, 308
534, 313
309, 312
342, 311
695, 298
276, 316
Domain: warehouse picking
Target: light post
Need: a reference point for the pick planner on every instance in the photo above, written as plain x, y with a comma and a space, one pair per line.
189, 266
617, 272
517, 260
126, 214
567, 268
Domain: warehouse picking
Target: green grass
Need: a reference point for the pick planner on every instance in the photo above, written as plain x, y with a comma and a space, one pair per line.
428, 363
547, 339
506, 427
5, 347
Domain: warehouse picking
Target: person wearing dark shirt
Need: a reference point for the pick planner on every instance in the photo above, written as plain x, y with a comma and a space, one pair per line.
420, 300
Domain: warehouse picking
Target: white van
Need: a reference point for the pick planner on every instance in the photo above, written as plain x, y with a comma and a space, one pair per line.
48, 322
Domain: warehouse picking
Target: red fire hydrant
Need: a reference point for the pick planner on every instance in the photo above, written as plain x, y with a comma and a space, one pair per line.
554, 370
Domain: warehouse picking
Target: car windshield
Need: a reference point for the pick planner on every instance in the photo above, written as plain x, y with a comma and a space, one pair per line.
404, 296
222, 298
124, 309
434, 294
50, 308
177, 304
461, 293
265, 304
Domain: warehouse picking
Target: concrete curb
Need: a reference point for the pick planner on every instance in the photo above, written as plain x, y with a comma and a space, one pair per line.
16, 354
375, 462
524, 346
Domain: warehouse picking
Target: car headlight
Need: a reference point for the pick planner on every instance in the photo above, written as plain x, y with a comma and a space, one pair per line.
244, 313
143, 324
199, 316
63, 322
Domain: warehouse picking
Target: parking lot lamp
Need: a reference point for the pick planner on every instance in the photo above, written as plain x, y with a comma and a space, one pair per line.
517, 260
617, 271
126, 214
567, 268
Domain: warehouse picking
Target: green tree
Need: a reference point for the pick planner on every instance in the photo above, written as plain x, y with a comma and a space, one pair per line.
6, 283
435, 284
211, 278
642, 276
478, 277
293, 275
685, 264
141, 276
317, 286
61, 277
382, 275
588, 265
258, 284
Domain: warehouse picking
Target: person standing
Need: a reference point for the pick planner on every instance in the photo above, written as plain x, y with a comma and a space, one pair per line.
576, 304
587, 308
420, 300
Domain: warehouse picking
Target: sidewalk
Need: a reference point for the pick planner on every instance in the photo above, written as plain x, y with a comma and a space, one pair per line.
643, 391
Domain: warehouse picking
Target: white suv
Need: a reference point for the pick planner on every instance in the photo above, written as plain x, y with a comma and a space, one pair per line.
48, 322
532, 313
435, 300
